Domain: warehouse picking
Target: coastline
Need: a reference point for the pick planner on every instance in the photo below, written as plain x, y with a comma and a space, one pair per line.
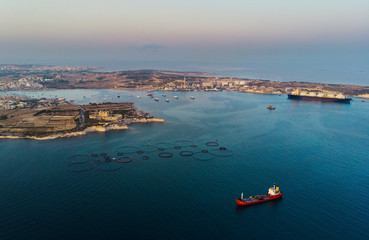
87, 130
163, 90
363, 96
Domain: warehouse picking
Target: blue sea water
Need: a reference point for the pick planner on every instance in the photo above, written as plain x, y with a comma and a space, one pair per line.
315, 64
317, 153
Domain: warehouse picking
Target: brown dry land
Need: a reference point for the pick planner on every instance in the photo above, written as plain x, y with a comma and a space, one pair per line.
63, 118
152, 79
40, 121
161, 80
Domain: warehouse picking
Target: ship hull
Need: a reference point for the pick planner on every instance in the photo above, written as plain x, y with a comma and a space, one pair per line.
240, 202
320, 99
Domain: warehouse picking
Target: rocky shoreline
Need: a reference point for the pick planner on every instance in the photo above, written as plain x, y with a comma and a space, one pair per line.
110, 127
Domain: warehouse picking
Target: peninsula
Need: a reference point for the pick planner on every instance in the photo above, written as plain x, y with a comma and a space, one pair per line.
38, 77
43, 119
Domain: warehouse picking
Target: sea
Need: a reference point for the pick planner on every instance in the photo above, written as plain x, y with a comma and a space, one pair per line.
196, 164
336, 69
318, 65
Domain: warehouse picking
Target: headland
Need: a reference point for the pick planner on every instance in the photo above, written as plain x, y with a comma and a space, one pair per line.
39, 77
44, 119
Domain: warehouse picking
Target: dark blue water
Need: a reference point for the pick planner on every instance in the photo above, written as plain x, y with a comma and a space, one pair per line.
317, 153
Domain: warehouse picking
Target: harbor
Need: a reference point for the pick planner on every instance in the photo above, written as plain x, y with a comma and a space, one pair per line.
304, 147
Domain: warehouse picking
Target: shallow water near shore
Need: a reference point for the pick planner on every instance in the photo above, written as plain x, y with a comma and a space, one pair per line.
317, 153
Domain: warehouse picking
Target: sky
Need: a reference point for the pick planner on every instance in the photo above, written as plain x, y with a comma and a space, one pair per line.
51, 30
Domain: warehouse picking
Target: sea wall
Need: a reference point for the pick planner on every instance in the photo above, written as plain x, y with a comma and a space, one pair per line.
146, 120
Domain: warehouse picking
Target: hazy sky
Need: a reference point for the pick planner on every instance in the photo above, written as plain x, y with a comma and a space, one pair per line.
53, 29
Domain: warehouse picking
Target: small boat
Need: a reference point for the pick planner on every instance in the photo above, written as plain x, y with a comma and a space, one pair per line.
272, 194
149, 94
118, 96
156, 99
138, 96
167, 100
175, 97
164, 95
270, 107
192, 97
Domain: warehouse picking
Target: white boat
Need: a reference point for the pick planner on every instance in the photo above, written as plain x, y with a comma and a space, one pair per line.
167, 100
175, 97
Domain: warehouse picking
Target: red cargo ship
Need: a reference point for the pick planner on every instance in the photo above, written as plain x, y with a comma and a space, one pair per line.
272, 194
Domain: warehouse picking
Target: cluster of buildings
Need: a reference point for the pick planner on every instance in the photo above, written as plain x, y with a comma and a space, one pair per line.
12, 102
21, 84
105, 115
41, 68
16, 102
219, 84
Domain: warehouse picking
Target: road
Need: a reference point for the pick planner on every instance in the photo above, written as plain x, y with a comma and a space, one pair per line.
81, 115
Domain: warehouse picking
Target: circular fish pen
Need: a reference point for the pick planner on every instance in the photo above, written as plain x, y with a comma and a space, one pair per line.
80, 167
124, 160
201, 156
212, 144
165, 145
221, 153
183, 143
165, 155
78, 158
107, 162
148, 148
127, 149
186, 153
108, 166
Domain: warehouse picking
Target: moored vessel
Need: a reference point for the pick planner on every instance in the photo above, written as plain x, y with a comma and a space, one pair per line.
318, 96
273, 193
